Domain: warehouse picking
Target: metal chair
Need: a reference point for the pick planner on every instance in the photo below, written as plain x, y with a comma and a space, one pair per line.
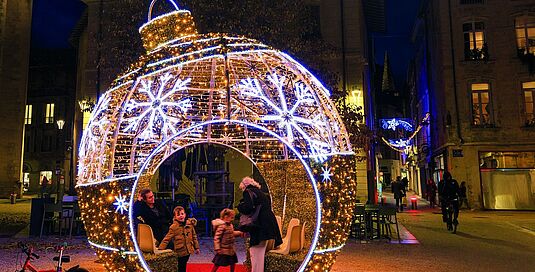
358, 226
388, 216
66, 216
372, 217
76, 219
51, 215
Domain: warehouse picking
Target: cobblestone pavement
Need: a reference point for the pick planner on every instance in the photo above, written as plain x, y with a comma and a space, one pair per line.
81, 253
485, 241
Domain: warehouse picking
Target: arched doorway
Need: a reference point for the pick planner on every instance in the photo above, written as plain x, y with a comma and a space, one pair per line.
178, 142
285, 181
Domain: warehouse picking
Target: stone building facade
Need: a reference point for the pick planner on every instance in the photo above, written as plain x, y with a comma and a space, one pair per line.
48, 122
348, 33
474, 73
15, 28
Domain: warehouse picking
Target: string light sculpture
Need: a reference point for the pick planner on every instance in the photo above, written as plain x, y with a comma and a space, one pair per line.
192, 88
403, 145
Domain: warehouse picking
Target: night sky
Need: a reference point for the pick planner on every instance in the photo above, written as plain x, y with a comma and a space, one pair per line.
400, 18
53, 21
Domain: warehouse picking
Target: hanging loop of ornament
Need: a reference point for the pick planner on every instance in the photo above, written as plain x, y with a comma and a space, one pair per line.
154, 2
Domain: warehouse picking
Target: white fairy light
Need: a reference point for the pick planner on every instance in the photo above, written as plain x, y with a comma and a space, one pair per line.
157, 115
293, 99
121, 204
326, 174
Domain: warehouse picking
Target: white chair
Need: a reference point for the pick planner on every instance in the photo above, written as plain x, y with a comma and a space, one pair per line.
303, 235
292, 240
146, 241
271, 242
279, 222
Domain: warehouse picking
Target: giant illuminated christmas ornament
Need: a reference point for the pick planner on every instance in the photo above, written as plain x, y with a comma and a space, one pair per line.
192, 88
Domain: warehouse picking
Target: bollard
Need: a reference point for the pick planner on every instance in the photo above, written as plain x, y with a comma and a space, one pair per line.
414, 202
13, 198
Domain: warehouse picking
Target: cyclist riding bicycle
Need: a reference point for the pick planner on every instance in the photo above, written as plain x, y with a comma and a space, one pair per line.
448, 189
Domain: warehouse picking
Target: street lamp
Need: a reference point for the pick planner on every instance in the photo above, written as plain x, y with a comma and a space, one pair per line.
59, 191
60, 124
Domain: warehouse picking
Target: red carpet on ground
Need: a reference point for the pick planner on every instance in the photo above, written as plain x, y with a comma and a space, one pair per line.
194, 267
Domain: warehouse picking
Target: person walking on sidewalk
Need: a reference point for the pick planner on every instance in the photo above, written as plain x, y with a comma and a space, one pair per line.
397, 190
432, 193
462, 195
448, 190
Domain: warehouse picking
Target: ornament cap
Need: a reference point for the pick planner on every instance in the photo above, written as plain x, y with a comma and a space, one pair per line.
166, 27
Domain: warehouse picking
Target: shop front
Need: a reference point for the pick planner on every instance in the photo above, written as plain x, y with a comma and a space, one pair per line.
507, 180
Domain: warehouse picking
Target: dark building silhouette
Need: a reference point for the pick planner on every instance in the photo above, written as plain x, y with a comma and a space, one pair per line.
49, 111
15, 28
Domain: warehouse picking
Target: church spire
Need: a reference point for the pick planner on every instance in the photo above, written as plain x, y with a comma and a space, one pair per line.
387, 83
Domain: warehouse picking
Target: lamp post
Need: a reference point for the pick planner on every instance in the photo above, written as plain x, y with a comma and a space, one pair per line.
60, 181
60, 124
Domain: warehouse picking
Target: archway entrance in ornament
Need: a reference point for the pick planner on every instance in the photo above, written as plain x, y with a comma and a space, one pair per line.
210, 174
204, 178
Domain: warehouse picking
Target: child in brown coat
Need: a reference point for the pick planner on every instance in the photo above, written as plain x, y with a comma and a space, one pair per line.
224, 240
184, 237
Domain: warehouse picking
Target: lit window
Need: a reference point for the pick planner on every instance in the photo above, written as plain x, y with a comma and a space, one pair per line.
525, 34
45, 177
49, 113
529, 92
475, 47
481, 106
28, 115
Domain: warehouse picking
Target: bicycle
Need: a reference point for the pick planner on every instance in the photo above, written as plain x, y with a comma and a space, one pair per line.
452, 215
60, 259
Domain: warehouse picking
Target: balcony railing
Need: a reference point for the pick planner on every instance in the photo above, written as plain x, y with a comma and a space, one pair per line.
472, 2
477, 54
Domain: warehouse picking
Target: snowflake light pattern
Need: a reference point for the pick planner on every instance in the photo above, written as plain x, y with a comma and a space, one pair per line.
401, 143
394, 123
285, 110
120, 204
157, 116
326, 174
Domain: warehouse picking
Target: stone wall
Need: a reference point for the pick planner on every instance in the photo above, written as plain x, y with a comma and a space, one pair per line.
14, 57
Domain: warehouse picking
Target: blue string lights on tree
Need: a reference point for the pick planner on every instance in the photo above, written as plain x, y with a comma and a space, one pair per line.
192, 88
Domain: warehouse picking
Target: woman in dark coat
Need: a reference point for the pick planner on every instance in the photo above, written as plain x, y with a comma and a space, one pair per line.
267, 227
397, 190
